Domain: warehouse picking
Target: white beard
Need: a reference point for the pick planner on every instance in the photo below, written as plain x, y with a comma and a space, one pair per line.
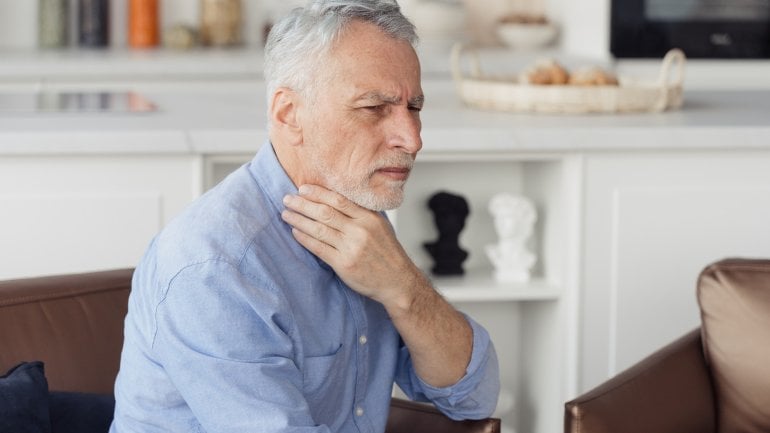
358, 191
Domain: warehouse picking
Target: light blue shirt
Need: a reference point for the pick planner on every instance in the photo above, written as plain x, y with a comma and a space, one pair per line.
234, 327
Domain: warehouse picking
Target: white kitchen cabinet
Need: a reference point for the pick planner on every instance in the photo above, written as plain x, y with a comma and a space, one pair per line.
652, 221
65, 214
528, 322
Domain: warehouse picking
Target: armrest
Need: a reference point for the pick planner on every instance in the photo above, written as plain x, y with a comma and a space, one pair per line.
668, 392
409, 417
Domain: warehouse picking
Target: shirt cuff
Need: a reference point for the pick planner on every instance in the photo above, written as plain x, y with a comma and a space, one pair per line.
475, 394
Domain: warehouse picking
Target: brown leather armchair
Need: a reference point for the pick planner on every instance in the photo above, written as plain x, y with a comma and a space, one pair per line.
713, 379
74, 324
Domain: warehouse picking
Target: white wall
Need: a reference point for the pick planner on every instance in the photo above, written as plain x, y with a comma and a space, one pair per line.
18, 23
585, 27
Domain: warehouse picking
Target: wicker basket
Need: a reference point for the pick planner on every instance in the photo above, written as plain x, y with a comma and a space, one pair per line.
508, 94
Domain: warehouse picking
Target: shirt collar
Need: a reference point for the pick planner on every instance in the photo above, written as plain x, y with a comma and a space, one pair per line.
276, 184
271, 176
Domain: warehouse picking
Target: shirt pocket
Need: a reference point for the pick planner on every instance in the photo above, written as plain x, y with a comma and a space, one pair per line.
322, 374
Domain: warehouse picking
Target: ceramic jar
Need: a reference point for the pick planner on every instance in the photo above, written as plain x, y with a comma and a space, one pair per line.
221, 22
52, 23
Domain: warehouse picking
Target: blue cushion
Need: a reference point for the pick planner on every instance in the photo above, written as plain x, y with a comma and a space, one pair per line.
24, 400
77, 412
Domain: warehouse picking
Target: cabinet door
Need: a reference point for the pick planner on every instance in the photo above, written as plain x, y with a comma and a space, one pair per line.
74, 214
652, 222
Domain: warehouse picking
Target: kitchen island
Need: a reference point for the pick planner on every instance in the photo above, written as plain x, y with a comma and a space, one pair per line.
196, 120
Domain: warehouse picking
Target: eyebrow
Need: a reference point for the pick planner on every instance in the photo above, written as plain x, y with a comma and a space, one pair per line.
375, 96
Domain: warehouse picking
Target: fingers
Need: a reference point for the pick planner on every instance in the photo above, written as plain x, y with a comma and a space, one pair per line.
323, 206
319, 230
359, 244
318, 213
321, 249
329, 225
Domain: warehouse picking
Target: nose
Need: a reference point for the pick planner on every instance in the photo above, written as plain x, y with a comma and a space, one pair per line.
405, 130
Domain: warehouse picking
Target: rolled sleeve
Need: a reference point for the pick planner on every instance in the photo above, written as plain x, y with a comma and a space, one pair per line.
472, 397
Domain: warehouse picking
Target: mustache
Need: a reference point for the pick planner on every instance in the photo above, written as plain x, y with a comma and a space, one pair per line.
398, 160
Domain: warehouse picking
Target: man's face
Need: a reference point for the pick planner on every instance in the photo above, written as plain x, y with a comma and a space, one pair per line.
361, 125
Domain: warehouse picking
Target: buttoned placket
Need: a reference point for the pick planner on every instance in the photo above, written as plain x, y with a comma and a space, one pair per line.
357, 308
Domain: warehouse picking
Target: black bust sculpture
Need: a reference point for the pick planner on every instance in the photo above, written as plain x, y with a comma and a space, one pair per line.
449, 213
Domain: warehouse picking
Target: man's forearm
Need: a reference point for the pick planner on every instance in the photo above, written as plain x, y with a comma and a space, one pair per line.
439, 338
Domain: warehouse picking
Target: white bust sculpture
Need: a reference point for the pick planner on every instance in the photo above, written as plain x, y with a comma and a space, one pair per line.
514, 218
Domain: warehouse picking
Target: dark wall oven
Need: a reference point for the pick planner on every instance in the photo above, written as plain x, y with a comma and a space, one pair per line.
701, 28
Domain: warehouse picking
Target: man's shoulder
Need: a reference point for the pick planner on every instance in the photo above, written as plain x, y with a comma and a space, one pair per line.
223, 224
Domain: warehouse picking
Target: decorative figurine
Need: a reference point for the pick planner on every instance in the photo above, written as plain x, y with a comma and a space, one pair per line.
449, 213
514, 218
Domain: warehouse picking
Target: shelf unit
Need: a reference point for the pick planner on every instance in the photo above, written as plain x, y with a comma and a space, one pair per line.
528, 322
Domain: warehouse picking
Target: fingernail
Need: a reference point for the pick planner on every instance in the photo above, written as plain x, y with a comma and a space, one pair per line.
304, 189
287, 199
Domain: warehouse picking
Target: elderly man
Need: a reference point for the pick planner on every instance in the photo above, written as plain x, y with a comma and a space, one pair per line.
281, 301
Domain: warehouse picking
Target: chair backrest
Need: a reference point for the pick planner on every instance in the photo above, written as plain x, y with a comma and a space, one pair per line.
734, 297
73, 323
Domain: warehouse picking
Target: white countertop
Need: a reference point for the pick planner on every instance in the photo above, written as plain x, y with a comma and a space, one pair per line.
88, 65
231, 120
103, 64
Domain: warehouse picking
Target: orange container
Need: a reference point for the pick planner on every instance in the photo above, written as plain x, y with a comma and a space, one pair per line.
143, 23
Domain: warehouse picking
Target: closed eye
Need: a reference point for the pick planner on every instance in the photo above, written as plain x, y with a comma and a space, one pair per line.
375, 109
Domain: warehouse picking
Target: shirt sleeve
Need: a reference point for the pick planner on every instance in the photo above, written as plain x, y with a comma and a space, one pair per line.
226, 346
472, 397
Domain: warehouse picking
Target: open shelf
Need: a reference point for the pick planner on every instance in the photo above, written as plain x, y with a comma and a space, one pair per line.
481, 286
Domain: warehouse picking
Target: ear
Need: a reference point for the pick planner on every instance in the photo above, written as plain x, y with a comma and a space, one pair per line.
284, 116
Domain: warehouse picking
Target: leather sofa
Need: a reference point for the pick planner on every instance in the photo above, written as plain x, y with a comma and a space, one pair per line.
714, 379
74, 325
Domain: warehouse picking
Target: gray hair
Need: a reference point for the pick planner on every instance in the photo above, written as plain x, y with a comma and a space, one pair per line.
296, 43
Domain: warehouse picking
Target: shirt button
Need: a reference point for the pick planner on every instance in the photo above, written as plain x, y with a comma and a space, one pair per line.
362, 339
359, 411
